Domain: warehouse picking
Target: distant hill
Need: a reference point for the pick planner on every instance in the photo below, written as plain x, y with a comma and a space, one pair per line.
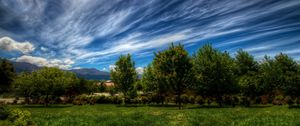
87, 73
24, 67
91, 74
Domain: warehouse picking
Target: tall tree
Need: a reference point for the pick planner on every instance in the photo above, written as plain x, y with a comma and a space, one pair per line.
155, 84
124, 75
173, 66
246, 73
276, 74
214, 72
7, 74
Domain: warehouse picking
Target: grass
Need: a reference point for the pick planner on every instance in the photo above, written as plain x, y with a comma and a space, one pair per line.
116, 115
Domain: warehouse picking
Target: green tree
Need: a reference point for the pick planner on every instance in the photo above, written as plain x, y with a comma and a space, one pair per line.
247, 70
292, 87
7, 74
45, 82
153, 83
214, 73
286, 68
173, 66
124, 75
24, 85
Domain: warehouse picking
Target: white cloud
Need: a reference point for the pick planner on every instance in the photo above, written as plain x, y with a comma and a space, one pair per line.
139, 70
77, 68
44, 49
112, 67
104, 69
6, 43
134, 44
40, 61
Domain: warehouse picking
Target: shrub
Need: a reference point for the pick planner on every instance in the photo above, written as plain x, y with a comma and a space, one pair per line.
200, 100
3, 113
278, 100
246, 101
15, 117
184, 98
192, 99
20, 117
289, 100
264, 99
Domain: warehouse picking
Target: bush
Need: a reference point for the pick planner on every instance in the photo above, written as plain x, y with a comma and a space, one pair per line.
20, 117
192, 99
184, 98
278, 100
3, 113
289, 100
246, 101
15, 117
200, 100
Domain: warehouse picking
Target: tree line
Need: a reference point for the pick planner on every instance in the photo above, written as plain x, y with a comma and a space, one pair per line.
213, 75
205, 77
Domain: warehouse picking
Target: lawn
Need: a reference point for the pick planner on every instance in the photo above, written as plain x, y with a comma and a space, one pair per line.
114, 115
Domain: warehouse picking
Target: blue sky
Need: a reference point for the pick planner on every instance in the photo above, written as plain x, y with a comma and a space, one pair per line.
94, 33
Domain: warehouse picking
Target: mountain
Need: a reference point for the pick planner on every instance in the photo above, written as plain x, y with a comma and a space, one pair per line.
24, 67
87, 73
91, 74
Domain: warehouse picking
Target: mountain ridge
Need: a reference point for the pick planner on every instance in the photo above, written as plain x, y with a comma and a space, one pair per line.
87, 73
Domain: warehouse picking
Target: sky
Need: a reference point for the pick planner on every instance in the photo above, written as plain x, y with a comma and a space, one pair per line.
72, 34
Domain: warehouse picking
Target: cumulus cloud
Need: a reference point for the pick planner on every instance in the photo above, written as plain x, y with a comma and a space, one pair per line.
7, 43
40, 61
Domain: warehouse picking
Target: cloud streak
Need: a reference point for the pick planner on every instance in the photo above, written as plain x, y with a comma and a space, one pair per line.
94, 33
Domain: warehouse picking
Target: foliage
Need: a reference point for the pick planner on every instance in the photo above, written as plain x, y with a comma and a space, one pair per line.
15, 117
44, 82
124, 75
7, 73
214, 72
173, 67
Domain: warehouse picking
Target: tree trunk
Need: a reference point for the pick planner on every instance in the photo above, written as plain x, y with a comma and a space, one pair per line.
47, 100
179, 100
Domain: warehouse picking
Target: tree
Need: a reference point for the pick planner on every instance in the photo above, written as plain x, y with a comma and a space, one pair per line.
124, 75
154, 83
45, 82
245, 63
7, 74
214, 73
286, 68
277, 74
24, 85
247, 70
173, 66
292, 87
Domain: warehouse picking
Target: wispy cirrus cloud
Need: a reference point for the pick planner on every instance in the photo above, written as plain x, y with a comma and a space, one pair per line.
94, 33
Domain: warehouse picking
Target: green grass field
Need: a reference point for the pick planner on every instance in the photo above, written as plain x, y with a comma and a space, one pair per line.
113, 115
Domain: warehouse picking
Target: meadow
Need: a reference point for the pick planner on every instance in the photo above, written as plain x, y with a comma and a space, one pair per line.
141, 115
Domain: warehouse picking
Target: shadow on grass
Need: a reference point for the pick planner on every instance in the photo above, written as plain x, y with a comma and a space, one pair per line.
209, 106
43, 106
162, 105
294, 106
259, 106
228, 106
130, 105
